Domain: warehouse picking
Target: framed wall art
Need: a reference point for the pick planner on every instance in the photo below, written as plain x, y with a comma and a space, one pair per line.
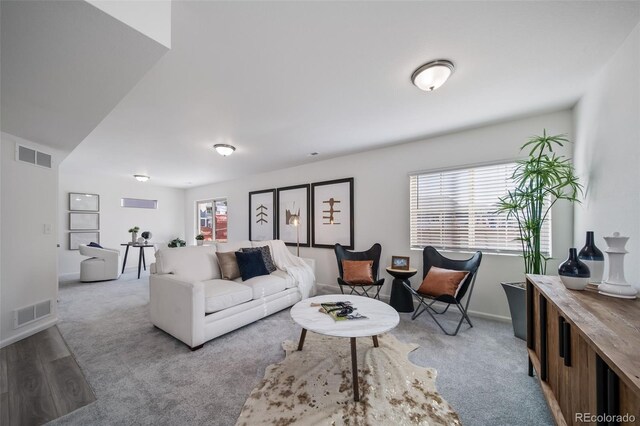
77, 238
83, 221
332, 213
79, 201
262, 215
293, 206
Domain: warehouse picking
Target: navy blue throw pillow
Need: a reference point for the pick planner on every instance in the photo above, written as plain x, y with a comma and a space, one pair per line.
251, 265
92, 244
266, 256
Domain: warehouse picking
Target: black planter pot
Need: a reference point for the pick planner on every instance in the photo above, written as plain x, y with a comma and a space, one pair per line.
516, 293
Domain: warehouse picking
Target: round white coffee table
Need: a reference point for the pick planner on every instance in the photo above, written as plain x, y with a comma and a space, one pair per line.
380, 319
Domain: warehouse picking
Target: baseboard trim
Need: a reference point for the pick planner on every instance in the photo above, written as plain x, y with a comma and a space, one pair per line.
489, 316
69, 276
29, 332
331, 288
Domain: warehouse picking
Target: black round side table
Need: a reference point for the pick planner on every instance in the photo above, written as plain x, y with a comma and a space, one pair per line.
401, 298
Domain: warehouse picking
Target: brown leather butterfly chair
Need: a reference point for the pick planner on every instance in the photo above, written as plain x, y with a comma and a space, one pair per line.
372, 254
431, 257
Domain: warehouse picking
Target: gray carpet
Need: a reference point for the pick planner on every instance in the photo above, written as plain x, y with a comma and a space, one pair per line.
141, 375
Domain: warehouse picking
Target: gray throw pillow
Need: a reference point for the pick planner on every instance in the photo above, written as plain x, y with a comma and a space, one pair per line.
266, 256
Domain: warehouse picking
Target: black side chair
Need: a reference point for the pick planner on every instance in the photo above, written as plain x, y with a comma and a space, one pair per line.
431, 257
372, 254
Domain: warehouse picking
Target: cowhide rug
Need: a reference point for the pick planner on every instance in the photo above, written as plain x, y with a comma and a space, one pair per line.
313, 386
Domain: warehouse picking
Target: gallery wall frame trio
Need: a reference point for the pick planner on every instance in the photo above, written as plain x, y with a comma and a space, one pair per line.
325, 211
84, 219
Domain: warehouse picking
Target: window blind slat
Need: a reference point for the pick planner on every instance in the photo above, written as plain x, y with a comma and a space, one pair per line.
455, 210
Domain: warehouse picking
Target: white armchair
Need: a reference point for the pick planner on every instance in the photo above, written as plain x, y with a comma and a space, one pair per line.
103, 264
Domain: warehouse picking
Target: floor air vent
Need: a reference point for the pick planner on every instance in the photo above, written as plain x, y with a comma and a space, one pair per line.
31, 156
31, 313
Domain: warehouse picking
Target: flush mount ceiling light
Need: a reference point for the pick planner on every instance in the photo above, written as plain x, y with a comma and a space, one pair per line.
141, 178
432, 75
224, 149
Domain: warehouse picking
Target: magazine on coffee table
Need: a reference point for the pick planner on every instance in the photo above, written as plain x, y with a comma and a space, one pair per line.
340, 311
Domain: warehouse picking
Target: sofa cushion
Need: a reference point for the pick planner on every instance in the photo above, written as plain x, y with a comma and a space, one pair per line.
228, 265
189, 263
290, 282
441, 282
357, 271
222, 294
265, 251
251, 265
265, 285
232, 245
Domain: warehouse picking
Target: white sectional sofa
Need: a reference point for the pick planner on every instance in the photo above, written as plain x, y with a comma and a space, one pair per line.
190, 300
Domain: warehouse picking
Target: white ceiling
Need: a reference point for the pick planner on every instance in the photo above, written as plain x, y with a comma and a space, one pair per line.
65, 65
280, 80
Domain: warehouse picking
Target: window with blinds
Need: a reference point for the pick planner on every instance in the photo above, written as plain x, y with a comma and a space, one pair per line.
455, 210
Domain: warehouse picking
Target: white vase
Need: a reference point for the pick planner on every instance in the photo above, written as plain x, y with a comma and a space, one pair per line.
199, 242
134, 237
615, 284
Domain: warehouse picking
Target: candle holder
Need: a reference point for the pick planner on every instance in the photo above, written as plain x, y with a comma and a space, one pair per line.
615, 285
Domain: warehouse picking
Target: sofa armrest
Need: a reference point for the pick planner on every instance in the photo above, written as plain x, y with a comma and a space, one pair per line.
177, 307
310, 262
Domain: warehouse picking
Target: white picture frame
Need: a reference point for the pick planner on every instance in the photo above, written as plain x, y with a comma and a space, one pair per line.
84, 221
82, 202
77, 238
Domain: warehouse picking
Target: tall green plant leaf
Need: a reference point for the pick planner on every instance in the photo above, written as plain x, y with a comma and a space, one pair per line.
540, 181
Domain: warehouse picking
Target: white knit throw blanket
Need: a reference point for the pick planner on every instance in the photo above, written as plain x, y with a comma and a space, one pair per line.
294, 266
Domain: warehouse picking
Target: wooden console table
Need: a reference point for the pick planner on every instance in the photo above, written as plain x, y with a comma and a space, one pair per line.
585, 348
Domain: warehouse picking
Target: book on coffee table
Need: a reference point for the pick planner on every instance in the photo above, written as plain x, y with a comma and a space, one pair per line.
341, 311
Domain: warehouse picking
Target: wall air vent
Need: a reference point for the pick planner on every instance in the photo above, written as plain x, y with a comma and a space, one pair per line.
29, 155
29, 314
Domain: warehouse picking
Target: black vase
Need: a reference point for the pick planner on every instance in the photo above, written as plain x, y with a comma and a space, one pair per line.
573, 272
593, 258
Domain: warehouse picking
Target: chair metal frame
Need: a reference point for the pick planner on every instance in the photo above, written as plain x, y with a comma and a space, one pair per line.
360, 289
431, 257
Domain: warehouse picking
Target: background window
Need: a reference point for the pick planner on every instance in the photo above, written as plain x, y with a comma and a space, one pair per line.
455, 210
212, 219
221, 219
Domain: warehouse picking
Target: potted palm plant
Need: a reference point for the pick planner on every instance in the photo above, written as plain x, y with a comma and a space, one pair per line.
540, 180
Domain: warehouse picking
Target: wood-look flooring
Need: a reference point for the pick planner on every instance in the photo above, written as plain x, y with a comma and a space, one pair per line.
40, 380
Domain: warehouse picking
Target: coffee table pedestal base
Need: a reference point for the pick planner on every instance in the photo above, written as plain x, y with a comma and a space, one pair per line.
354, 360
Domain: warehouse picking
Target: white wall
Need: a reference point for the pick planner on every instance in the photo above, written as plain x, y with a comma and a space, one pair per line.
607, 154
28, 255
382, 198
151, 18
165, 223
